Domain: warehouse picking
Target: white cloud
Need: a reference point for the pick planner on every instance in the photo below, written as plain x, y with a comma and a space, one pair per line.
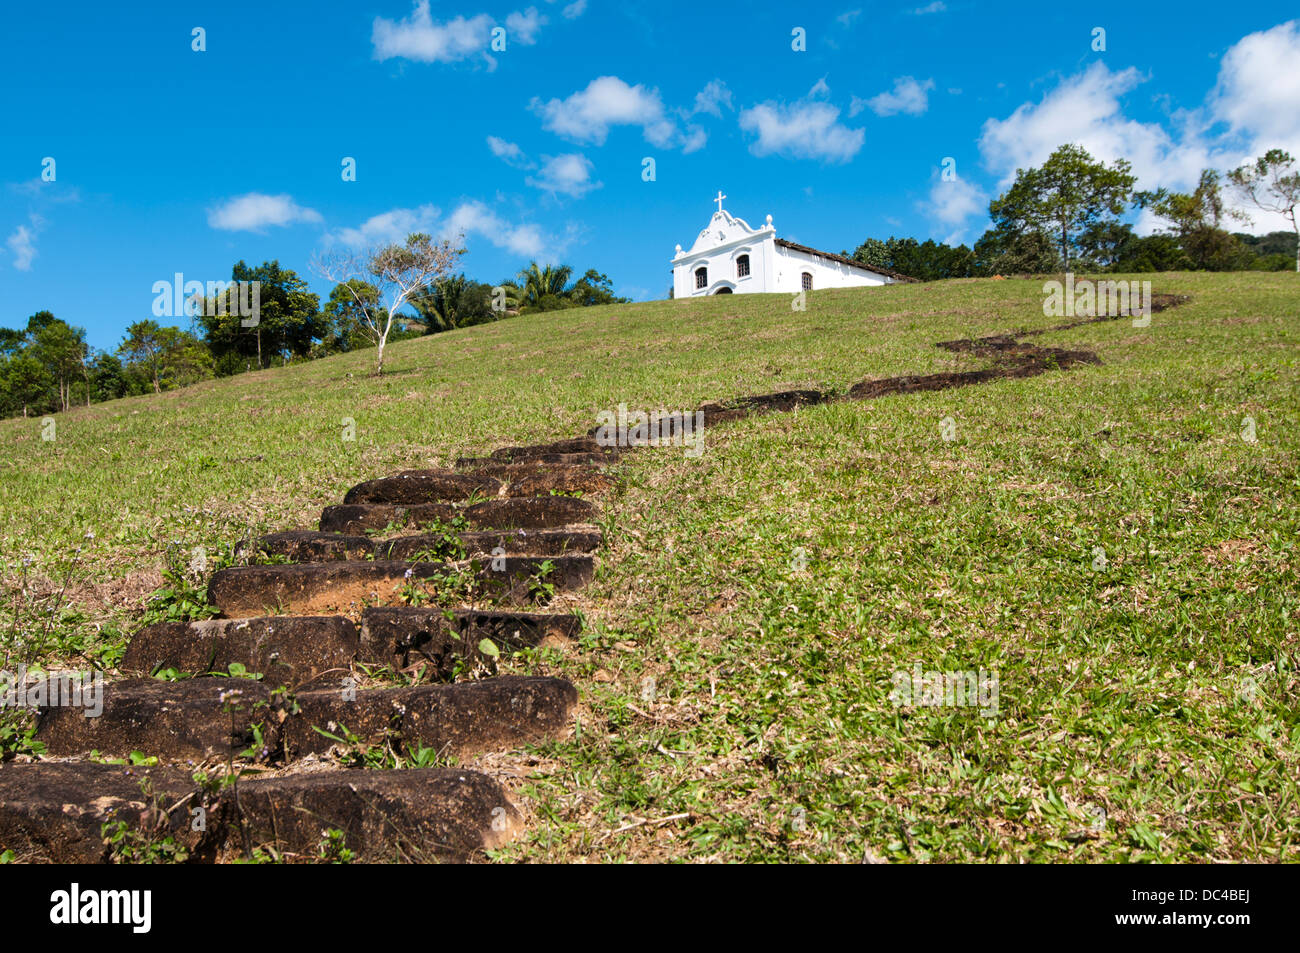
23, 245
819, 89
587, 115
569, 174
470, 218
848, 16
693, 139
607, 101
1085, 109
419, 38
908, 96
712, 98
1258, 90
524, 27
803, 130
937, 7
1254, 106
951, 203
509, 153
388, 227
255, 211
475, 218
575, 9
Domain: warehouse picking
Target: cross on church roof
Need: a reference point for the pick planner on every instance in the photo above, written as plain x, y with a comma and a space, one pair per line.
719, 199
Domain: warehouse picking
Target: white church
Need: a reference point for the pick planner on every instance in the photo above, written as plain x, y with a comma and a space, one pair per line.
729, 257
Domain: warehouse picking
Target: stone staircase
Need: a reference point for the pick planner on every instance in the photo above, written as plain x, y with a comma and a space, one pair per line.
310, 608
313, 606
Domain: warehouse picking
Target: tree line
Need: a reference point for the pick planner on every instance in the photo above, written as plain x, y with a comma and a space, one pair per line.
1065, 215
47, 365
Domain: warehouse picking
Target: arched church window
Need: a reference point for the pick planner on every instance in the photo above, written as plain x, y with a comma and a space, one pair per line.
742, 266
701, 277
807, 281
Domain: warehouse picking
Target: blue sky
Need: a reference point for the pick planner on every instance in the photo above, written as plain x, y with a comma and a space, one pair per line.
171, 160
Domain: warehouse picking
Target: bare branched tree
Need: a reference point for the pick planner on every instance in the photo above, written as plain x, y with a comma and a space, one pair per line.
1272, 184
400, 272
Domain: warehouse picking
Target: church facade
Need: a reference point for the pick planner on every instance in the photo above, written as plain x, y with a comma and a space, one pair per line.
729, 257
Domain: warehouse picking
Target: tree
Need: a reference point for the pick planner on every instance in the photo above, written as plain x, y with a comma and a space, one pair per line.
592, 289
168, 356
1275, 251
873, 252
1272, 184
455, 302
345, 315
398, 272
39, 320
538, 288
1151, 253
542, 289
1004, 251
1068, 193
143, 345
61, 349
1273, 243
11, 341
289, 319
24, 383
109, 379
1196, 218
1102, 244
925, 261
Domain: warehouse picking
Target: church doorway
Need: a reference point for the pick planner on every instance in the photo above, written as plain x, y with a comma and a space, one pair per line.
724, 290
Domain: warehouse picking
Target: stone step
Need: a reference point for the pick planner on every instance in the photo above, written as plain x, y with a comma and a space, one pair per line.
306, 546
529, 512
412, 816
443, 641
198, 719
346, 587
53, 812
424, 486
302, 545
286, 650
434, 486
460, 720
359, 518
538, 478
192, 719
299, 651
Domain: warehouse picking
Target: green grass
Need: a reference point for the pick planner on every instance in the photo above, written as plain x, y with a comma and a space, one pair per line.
1160, 689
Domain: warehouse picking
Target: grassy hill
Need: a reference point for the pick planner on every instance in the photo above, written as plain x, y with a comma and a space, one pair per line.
753, 604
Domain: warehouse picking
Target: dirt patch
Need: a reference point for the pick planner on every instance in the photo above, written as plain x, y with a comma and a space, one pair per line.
1012, 358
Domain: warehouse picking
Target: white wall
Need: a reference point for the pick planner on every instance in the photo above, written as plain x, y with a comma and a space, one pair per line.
721, 263
791, 264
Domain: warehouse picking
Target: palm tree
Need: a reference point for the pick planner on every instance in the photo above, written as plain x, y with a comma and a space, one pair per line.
438, 305
535, 283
